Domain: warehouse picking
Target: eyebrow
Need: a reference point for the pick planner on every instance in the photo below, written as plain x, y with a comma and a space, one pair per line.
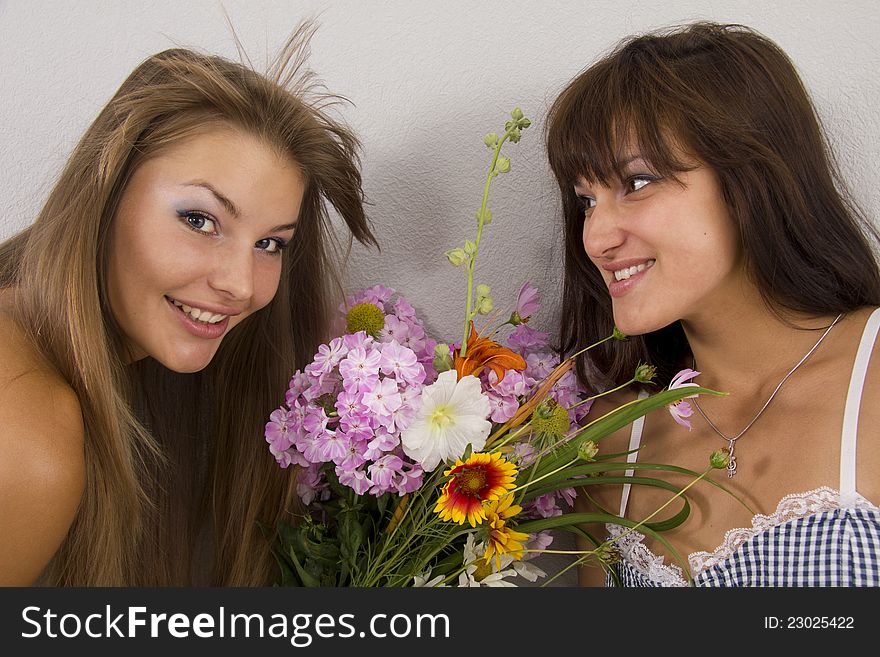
230, 207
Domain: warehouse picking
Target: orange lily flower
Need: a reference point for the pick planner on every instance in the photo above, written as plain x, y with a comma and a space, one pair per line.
483, 352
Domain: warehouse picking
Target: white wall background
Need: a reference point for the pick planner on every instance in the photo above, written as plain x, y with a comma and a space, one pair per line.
427, 80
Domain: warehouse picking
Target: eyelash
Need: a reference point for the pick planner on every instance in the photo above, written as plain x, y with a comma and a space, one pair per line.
186, 215
583, 200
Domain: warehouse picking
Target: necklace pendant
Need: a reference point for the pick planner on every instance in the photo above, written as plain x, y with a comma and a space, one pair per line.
731, 463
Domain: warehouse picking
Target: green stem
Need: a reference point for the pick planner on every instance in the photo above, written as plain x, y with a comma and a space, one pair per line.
469, 311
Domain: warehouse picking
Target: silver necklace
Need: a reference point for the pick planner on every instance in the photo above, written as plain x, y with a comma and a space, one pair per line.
731, 440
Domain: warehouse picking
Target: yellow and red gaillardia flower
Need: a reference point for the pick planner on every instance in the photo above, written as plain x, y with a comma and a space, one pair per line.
481, 478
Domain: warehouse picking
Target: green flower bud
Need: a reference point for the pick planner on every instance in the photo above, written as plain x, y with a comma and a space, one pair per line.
720, 458
515, 135
524, 123
516, 114
618, 334
588, 450
442, 358
469, 247
516, 320
483, 290
491, 140
456, 257
645, 373
365, 317
485, 305
484, 215
503, 164
550, 418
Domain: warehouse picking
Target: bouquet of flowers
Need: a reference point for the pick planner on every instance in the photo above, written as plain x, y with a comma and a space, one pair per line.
426, 463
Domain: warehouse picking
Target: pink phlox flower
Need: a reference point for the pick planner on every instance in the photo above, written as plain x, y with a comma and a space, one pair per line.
332, 446
527, 301
502, 407
354, 457
567, 495
311, 485
299, 382
539, 365
278, 433
524, 340
383, 443
681, 410
288, 457
402, 309
378, 295
383, 472
328, 357
354, 478
359, 340
358, 428
400, 418
414, 338
350, 403
543, 506
402, 363
582, 410
537, 543
524, 452
312, 448
513, 385
409, 479
314, 421
360, 369
395, 329
383, 397
322, 384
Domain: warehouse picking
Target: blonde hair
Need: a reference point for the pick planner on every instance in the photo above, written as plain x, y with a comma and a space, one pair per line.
165, 451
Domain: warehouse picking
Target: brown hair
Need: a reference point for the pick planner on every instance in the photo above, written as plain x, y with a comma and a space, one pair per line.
169, 456
732, 99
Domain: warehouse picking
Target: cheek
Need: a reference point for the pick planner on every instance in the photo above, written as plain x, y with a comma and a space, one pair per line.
266, 282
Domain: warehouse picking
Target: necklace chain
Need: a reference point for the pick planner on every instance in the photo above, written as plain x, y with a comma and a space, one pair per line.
731, 440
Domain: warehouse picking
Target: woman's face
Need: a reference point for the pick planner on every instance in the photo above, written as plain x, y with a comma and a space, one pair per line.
666, 251
196, 244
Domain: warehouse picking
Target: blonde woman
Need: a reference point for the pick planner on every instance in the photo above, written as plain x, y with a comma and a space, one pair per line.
149, 318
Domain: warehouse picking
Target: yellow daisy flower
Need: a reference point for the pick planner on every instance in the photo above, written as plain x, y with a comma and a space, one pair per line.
483, 477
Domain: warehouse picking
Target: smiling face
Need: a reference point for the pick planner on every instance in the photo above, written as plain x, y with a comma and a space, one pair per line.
666, 251
196, 244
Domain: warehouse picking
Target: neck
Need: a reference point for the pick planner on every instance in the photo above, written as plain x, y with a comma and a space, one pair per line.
750, 351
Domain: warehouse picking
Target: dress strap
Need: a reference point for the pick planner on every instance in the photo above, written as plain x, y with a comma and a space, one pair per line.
851, 411
635, 439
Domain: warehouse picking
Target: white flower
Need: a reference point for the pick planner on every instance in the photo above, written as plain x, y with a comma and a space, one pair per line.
421, 580
451, 416
473, 557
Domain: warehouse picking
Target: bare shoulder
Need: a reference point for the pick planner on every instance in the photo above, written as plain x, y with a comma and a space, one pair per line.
868, 455
42, 470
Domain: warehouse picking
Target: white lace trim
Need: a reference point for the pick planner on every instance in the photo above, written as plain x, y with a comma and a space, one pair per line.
790, 507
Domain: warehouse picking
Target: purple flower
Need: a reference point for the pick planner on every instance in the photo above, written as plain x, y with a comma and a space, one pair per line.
360, 369
383, 443
331, 446
354, 478
524, 340
327, 358
383, 398
681, 410
527, 301
382, 473
311, 485
357, 427
401, 362
409, 479
502, 407
540, 365
278, 430
359, 340
395, 329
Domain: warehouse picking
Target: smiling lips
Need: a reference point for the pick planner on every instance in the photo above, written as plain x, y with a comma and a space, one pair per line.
199, 322
626, 275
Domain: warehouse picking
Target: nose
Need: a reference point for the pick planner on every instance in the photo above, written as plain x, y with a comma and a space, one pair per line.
603, 231
233, 273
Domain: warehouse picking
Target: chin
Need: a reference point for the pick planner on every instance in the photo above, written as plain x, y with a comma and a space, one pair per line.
187, 364
640, 324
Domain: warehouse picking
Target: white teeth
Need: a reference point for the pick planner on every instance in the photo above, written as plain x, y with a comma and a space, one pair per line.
623, 274
198, 314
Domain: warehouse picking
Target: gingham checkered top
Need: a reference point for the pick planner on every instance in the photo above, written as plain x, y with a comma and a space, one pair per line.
818, 538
